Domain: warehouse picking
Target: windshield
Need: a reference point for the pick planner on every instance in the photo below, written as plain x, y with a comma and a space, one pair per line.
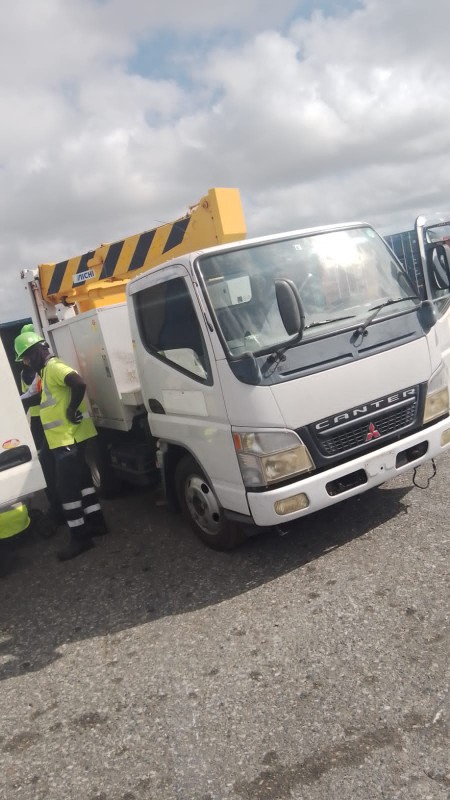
340, 276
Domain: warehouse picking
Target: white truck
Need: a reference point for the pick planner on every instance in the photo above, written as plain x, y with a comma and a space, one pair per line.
20, 471
271, 377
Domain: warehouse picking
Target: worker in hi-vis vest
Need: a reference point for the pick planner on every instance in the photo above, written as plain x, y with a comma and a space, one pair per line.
14, 519
67, 427
30, 382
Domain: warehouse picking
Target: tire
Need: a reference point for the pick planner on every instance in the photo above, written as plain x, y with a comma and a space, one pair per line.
201, 508
104, 478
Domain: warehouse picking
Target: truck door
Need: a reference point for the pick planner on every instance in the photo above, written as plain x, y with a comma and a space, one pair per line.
179, 379
20, 471
434, 243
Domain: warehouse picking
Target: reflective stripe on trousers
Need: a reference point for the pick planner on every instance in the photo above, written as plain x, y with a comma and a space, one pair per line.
78, 496
73, 513
90, 492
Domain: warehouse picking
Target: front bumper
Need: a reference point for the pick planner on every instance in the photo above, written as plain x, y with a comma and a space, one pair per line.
360, 474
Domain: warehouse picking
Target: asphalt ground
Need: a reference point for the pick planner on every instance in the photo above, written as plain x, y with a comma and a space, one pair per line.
312, 666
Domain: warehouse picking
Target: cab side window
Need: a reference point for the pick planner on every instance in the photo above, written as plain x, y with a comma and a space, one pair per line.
170, 329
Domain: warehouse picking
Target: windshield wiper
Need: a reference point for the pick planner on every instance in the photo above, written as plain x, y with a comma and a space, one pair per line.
326, 321
279, 355
361, 329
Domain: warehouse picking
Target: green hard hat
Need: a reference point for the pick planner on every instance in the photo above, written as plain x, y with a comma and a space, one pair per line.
24, 341
28, 328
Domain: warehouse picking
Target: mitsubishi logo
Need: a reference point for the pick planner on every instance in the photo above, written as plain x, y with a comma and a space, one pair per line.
372, 433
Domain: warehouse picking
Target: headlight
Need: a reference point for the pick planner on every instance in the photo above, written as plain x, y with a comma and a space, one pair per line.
271, 456
437, 400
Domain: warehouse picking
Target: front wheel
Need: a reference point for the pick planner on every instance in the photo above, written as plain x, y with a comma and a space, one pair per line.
202, 509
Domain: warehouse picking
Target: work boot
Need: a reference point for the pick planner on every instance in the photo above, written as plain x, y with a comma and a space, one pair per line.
97, 528
76, 546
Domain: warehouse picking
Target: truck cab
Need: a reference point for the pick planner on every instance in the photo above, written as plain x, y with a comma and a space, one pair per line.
285, 373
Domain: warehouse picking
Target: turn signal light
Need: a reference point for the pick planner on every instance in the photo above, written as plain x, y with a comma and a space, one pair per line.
290, 504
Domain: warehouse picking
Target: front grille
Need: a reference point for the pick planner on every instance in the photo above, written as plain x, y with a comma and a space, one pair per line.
350, 438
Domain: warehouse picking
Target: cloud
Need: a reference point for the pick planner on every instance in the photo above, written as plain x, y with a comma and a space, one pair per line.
317, 117
199, 16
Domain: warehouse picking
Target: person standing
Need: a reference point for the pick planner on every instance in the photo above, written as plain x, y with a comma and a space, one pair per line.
67, 427
30, 382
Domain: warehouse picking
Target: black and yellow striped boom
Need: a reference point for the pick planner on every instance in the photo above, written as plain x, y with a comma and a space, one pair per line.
99, 277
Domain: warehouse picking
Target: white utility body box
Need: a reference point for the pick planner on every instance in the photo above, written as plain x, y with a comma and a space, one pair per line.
98, 345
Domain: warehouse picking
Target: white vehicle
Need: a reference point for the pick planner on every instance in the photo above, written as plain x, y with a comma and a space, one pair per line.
276, 376
20, 470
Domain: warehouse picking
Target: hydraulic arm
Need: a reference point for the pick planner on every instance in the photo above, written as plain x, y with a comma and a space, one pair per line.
99, 277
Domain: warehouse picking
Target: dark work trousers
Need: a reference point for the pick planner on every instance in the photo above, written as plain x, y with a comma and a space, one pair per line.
78, 497
37, 432
48, 465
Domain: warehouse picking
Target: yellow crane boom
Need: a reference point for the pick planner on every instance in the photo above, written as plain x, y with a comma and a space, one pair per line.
99, 277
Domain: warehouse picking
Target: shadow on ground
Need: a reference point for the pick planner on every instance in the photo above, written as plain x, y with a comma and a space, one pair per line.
151, 566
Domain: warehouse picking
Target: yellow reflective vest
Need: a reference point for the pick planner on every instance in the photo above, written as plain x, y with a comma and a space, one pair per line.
55, 399
13, 519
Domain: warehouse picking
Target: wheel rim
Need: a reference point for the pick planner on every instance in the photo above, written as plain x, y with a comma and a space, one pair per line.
202, 504
95, 470
96, 479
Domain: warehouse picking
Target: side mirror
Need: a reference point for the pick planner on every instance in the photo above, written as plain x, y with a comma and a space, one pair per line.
290, 307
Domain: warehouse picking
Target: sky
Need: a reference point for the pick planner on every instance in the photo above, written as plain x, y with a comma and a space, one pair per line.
117, 116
